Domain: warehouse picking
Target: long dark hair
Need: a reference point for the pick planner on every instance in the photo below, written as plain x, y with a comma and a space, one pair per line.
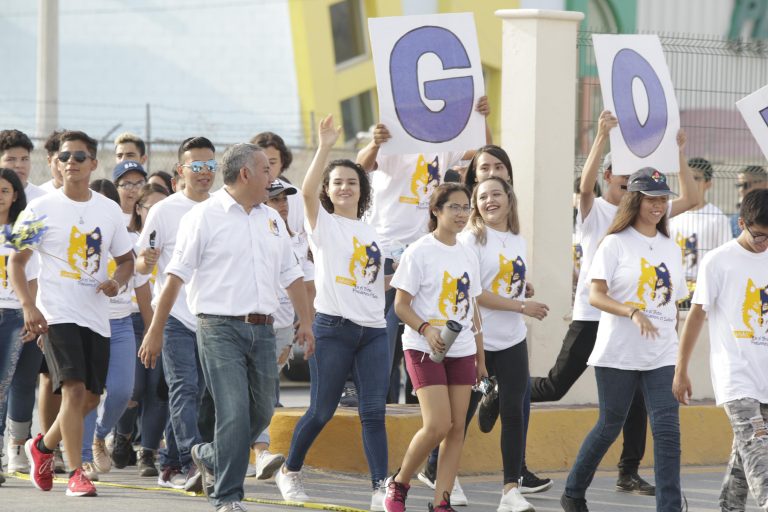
629, 209
440, 197
365, 186
106, 188
147, 190
470, 177
18, 205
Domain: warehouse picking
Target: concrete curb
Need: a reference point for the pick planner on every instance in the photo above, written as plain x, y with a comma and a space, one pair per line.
554, 438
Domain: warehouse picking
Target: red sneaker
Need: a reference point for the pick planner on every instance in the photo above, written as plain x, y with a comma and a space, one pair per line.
396, 495
41, 464
80, 485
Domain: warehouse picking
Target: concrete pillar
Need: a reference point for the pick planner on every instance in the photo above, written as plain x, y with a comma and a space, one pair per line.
47, 112
538, 109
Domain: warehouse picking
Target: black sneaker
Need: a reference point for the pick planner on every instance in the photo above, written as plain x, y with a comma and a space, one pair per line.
121, 451
349, 396
532, 484
428, 475
573, 504
634, 484
146, 463
489, 409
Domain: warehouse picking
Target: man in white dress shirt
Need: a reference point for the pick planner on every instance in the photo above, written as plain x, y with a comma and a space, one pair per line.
233, 253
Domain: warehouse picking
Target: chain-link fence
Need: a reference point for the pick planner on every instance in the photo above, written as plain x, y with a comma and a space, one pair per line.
709, 74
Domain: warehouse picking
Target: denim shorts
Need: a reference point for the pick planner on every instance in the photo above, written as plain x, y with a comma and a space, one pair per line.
452, 371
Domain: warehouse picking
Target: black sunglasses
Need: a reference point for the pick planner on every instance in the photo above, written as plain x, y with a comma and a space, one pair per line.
79, 156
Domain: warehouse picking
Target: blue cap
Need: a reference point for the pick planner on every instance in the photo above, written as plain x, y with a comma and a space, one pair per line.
127, 166
650, 182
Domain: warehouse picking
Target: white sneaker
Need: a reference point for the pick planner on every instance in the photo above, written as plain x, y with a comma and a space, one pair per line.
17, 459
377, 499
291, 485
513, 501
457, 496
91, 471
267, 463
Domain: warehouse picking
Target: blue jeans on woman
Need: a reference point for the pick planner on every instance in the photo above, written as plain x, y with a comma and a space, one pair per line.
11, 324
340, 346
238, 362
615, 389
146, 393
120, 378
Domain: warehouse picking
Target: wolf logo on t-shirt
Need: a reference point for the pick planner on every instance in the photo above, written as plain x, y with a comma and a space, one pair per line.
83, 253
4, 271
454, 297
654, 288
365, 263
510, 281
424, 180
755, 311
688, 246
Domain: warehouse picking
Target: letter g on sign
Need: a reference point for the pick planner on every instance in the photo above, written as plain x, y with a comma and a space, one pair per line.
457, 93
642, 138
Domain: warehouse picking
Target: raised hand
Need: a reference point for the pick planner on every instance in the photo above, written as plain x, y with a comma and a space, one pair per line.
328, 134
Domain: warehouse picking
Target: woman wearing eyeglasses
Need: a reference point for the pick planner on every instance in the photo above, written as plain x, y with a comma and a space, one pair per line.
129, 177
437, 281
636, 278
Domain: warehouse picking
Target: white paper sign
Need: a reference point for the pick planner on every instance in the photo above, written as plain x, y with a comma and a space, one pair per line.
429, 78
637, 88
754, 110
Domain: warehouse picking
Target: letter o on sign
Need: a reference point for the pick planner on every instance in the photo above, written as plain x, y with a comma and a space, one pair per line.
458, 93
641, 138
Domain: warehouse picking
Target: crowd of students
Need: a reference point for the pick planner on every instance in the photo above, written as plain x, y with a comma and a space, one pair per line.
156, 313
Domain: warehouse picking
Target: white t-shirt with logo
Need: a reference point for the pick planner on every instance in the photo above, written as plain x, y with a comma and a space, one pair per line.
124, 303
8, 299
698, 231
285, 314
164, 219
503, 270
592, 229
732, 287
645, 273
74, 255
402, 186
443, 280
349, 269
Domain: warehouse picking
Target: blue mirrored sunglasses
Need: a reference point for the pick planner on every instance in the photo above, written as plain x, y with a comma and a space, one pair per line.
200, 165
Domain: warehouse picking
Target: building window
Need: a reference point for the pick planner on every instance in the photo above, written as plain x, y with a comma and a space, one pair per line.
348, 33
357, 114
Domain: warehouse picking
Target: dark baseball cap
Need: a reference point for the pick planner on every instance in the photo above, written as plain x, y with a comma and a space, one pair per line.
650, 182
277, 187
127, 166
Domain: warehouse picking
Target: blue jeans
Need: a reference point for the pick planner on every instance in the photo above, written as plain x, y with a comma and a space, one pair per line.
184, 377
11, 324
21, 398
120, 377
340, 346
615, 390
146, 393
239, 365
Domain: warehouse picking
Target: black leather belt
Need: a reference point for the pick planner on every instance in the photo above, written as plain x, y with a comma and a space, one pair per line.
250, 318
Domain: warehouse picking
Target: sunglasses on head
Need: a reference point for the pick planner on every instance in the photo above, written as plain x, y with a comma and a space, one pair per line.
199, 165
79, 156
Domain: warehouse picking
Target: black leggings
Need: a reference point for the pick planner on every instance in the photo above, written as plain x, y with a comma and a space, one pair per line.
510, 366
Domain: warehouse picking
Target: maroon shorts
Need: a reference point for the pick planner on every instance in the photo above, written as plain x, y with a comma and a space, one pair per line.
452, 371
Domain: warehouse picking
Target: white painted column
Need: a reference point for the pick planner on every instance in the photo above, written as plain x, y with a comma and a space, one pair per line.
47, 97
538, 108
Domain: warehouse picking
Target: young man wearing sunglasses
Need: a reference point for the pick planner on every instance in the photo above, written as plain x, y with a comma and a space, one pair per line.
751, 177
177, 336
72, 305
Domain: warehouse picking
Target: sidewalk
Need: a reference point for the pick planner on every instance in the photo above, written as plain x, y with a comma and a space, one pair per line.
123, 491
